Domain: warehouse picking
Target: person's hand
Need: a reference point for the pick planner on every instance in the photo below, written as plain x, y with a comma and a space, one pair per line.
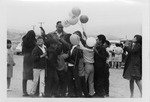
107, 61
46, 57
126, 44
65, 55
133, 44
42, 31
43, 55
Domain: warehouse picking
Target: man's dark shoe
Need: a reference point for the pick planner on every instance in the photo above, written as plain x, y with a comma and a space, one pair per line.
25, 95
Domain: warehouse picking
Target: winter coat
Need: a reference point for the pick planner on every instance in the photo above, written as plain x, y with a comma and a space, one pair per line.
133, 64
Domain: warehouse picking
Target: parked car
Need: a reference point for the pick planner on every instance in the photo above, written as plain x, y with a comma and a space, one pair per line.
18, 49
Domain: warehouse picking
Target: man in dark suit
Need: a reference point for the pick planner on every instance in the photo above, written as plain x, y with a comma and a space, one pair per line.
62, 40
59, 35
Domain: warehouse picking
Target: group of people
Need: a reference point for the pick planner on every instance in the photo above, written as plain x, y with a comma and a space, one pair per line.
60, 69
117, 55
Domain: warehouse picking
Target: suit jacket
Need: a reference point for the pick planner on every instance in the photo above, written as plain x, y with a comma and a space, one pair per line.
51, 62
63, 41
39, 63
100, 57
75, 56
54, 35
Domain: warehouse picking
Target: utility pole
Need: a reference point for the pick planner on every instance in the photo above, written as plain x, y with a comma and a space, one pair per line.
126, 37
33, 27
41, 23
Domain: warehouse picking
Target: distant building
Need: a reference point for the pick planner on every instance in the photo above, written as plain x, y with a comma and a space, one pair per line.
124, 40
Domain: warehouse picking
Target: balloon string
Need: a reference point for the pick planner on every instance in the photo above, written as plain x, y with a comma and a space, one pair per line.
79, 24
84, 31
82, 27
85, 26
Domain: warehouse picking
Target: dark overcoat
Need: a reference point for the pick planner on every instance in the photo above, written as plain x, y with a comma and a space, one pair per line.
27, 47
133, 65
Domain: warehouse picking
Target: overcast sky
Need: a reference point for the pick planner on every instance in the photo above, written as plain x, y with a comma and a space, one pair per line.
119, 18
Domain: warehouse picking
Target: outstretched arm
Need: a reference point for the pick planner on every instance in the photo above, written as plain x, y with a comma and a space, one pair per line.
84, 34
135, 49
43, 33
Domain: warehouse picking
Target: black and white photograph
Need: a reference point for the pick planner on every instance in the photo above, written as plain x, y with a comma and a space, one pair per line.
80, 50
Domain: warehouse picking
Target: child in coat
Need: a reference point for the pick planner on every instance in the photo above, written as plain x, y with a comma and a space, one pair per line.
39, 56
10, 64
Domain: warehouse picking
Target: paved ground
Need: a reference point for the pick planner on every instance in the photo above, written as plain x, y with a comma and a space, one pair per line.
119, 87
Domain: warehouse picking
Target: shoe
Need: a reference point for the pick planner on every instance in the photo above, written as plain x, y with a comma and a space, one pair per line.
42, 95
70, 95
9, 89
25, 95
107, 95
95, 95
98, 96
32, 95
89, 96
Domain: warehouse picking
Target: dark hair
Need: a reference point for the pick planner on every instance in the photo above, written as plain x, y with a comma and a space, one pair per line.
8, 41
107, 42
102, 38
78, 33
58, 22
67, 38
139, 39
121, 45
117, 44
29, 41
30, 34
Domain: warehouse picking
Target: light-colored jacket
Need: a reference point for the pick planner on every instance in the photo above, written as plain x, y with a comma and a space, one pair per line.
88, 55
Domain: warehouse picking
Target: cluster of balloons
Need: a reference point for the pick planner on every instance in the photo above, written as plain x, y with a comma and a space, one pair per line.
75, 40
73, 18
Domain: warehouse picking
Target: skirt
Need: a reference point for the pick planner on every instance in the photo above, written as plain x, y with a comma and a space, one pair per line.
28, 66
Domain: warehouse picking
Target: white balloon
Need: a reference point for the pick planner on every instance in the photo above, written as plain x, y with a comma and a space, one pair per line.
76, 11
74, 39
91, 41
71, 15
73, 21
65, 23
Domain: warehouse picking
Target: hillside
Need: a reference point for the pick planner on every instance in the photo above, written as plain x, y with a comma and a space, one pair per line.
14, 35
